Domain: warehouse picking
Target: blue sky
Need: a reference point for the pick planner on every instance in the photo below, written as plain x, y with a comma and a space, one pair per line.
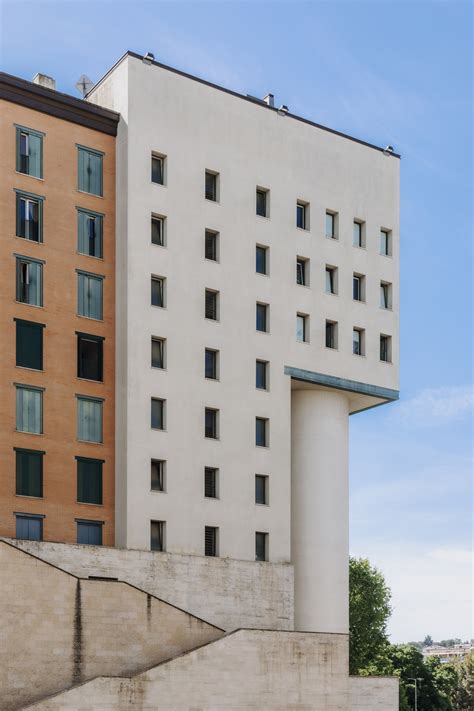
387, 72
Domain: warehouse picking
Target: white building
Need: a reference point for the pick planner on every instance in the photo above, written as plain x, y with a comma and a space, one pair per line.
317, 270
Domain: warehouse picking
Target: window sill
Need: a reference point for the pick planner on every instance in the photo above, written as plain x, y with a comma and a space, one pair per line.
214, 202
29, 496
360, 246
27, 175
88, 441
212, 439
30, 241
158, 491
36, 434
163, 246
89, 380
158, 429
265, 333
306, 286
84, 192
264, 274
214, 261
160, 185
332, 348
305, 343
212, 380
91, 256
387, 362
262, 446
213, 320
360, 301
34, 370
155, 306
263, 217
359, 355
258, 503
332, 239
303, 229
88, 503
386, 308
330, 293
36, 306
262, 390
157, 367
211, 498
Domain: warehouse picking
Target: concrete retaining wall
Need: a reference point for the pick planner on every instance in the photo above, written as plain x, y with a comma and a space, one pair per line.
371, 693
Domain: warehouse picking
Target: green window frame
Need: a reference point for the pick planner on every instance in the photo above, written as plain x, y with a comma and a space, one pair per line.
29, 344
89, 480
29, 216
29, 151
90, 233
29, 472
90, 171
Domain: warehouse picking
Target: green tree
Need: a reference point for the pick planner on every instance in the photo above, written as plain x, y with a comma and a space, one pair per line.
408, 664
464, 693
428, 641
369, 610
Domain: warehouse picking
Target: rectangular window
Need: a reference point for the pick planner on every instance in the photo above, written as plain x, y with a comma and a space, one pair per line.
158, 475
385, 295
29, 344
211, 423
29, 527
29, 472
331, 334
90, 295
158, 352
261, 489
386, 348
386, 243
211, 245
261, 259
158, 169
261, 431
211, 364
212, 304
29, 409
89, 419
211, 534
158, 413
89, 171
158, 230
89, 533
90, 357
89, 233
89, 480
29, 152
262, 317
358, 238
262, 202
302, 271
261, 374
302, 210
331, 225
302, 328
158, 291
29, 217
331, 280
358, 287
29, 281
212, 186
211, 483
157, 535
358, 341
261, 546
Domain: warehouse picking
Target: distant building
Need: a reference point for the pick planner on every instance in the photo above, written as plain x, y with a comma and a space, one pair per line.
448, 654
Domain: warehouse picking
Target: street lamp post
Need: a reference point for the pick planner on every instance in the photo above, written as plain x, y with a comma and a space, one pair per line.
416, 680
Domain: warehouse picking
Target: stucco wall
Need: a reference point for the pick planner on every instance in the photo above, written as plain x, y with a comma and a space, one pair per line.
249, 669
57, 630
227, 593
371, 693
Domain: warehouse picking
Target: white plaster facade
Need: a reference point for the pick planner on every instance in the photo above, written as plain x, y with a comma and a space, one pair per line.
200, 127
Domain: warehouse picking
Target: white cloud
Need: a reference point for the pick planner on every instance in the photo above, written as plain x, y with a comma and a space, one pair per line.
437, 406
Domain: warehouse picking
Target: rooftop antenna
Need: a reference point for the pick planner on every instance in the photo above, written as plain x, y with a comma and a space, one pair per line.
84, 85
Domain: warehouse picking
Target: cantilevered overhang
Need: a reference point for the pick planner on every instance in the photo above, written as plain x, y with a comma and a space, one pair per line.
362, 396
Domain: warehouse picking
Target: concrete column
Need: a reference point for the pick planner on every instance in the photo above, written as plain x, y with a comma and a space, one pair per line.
320, 509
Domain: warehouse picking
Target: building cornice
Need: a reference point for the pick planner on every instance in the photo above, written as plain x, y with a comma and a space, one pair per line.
352, 386
55, 103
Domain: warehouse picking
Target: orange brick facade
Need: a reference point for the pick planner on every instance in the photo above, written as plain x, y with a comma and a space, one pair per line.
59, 379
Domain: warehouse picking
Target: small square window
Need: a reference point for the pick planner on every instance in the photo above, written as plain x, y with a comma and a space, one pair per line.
358, 287
302, 215
261, 546
331, 334
158, 294
385, 348
29, 527
157, 535
261, 431
29, 409
211, 245
89, 233
302, 271
89, 533
211, 483
211, 423
29, 281
331, 280
385, 295
29, 152
89, 480
89, 419
262, 202
158, 163
261, 259
29, 472
158, 352
302, 331
158, 475
90, 295
158, 413
212, 304
90, 171
211, 364
158, 235
261, 375
331, 225
29, 344
29, 217
386, 243
358, 238
261, 489
212, 186
211, 541
262, 317
358, 341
